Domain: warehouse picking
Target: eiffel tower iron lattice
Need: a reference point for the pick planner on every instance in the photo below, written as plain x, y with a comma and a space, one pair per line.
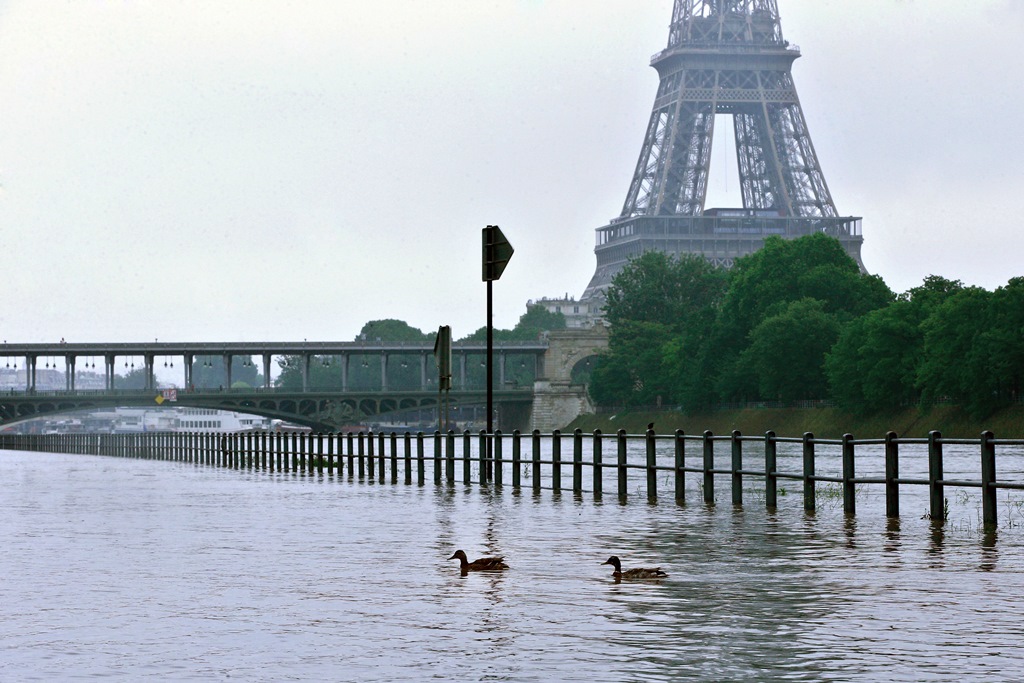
723, 57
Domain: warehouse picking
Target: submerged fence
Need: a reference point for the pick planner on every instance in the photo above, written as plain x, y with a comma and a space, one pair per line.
412, 455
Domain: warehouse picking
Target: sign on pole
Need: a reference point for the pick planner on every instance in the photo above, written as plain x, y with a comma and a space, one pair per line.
497, 252
443, 356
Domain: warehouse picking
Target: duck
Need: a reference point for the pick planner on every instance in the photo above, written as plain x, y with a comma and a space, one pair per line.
483, 564
638, 573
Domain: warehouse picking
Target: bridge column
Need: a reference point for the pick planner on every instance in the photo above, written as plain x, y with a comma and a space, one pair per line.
148, 359
227, 369
383, 370
189, 359
305, 371
266, 371
69, 372
501, 369
344, 372
423, 371
30, 373
462, 370
108, 371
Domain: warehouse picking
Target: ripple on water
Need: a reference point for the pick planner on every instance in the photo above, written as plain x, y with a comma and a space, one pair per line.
131, 569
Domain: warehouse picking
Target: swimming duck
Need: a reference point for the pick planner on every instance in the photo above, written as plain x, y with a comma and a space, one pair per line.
482, 565
638, 573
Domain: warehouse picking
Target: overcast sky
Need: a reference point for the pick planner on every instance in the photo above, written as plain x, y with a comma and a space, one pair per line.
272, 170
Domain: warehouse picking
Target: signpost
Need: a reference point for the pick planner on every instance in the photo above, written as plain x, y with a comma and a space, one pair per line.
443, 357
497, 252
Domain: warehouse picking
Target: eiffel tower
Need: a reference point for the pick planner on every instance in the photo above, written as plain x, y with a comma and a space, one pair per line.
723, 57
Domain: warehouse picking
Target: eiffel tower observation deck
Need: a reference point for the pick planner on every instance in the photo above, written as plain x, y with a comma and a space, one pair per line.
723, 57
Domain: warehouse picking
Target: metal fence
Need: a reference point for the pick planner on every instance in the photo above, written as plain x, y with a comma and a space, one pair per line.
502, 460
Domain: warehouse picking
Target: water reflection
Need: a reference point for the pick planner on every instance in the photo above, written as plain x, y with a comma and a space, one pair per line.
850, 531
989, 554
215, 562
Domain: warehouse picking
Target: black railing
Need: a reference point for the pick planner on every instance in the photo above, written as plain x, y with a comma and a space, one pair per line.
539, 458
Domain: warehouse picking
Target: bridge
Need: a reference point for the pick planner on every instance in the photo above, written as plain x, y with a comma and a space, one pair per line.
537, 383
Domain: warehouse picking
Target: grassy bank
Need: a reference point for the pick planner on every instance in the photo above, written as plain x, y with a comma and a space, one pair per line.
822, 422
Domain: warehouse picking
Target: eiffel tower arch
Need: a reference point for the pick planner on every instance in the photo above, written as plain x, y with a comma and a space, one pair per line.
723, 57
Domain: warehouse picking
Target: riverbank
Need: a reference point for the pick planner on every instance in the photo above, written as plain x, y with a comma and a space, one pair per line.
952, 421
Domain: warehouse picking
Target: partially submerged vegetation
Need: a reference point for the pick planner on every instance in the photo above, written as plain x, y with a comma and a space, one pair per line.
952, 421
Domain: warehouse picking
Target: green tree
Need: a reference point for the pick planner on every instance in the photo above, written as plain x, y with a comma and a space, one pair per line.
873, 367
974, 349
659, 288
787, 350
391, 330
134, 379
208, 372
633, 372
660, 309
325, 372
536, 320
953, 364
765, 283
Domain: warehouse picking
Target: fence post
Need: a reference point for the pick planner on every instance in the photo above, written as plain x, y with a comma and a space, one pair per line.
709, 464
517, 458
536, 460
621, 443
361, 453
598, 465
333, 468
420, 474
319, 452
482, 450
467, 447
808, 471
892, 474
771, 479
394, 456
936, 497
577, 460
652, 465
680, 473
988, 480
737, 465
849, 473
371, 452
407, 445
499, 475
556, 460
381, 450
437, 457
350, 443
449, 457
377, 451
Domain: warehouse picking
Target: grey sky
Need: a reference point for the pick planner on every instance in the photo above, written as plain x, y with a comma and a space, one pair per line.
272, 170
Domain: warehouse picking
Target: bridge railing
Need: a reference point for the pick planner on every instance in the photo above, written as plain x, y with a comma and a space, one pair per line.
600, 463
200, 391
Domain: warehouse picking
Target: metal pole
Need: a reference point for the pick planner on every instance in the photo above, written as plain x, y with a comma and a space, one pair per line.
490, 353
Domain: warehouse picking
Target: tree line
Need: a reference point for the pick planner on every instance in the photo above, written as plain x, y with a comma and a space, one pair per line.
797, 320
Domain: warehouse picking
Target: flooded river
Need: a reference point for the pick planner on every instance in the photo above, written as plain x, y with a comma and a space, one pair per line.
127, 569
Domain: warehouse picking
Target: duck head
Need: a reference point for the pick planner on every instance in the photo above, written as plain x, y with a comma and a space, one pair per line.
459, 555
614, 561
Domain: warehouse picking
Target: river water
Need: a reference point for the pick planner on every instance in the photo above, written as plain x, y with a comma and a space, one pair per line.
129, 569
